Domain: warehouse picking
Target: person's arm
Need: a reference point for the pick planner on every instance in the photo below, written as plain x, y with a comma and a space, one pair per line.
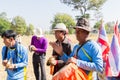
65, 58
23, 56
60, 52
4, 61
97, 62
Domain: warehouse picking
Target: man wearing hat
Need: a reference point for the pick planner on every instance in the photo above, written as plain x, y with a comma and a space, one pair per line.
86, 54
60, 35
39, 46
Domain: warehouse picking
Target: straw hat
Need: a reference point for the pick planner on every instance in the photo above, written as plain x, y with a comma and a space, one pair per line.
38, 32
60, 26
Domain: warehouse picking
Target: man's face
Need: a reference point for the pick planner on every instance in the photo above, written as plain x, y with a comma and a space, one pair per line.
58, 34
80, 33
7, 41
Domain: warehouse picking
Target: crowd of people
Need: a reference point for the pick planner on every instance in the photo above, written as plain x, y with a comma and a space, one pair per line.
83, 61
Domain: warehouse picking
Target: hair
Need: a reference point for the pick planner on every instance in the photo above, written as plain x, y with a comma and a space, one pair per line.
9, 34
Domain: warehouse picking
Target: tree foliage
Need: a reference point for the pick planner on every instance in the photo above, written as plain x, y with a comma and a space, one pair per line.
19, 25
30, 29
97, 25
64, 18
84, 6
108, 26
4, 23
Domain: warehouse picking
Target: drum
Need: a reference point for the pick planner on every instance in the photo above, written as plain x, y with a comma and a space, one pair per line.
70, 72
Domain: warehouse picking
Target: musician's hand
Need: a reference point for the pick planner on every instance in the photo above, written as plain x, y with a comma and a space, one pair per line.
57, 48
4, 62
72, 60
53, 62
10, 66
33, 48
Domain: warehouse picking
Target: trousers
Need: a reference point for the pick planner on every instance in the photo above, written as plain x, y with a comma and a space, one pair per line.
39, 66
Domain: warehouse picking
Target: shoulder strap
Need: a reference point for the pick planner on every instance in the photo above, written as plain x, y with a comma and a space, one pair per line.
86, 54
16, 54
80, 47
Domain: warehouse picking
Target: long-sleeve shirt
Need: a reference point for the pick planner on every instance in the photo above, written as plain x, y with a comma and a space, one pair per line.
66, 45
93, 50
19, 56
40, 44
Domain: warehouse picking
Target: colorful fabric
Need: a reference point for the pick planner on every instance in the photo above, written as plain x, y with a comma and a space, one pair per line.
113, 61
113, 65
70, 72
51, 69
25, 73
116, 31
103, 42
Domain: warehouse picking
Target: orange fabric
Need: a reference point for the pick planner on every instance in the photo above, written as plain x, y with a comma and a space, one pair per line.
70, 72
51, 69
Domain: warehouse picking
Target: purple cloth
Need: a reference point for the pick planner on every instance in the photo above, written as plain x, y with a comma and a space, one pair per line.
40, 44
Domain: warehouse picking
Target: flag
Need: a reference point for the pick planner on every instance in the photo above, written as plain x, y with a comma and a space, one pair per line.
103, 42
113, 61
116, 31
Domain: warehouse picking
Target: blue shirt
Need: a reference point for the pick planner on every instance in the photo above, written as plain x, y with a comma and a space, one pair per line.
93, 50
18, 56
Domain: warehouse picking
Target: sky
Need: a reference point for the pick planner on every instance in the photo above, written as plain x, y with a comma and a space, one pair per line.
40, 13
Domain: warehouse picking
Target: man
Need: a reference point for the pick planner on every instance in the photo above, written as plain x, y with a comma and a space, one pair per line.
86, 54
39, 47
60, 35
14, 57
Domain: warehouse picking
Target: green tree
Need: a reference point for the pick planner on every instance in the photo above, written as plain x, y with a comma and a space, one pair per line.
64, 18
110, 26
30, 29
97, 25
4, 22
19, 25
4, 25
84, 6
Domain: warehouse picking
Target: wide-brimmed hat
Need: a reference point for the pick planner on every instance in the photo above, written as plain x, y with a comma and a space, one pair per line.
60, 26
83, 23
38, 32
